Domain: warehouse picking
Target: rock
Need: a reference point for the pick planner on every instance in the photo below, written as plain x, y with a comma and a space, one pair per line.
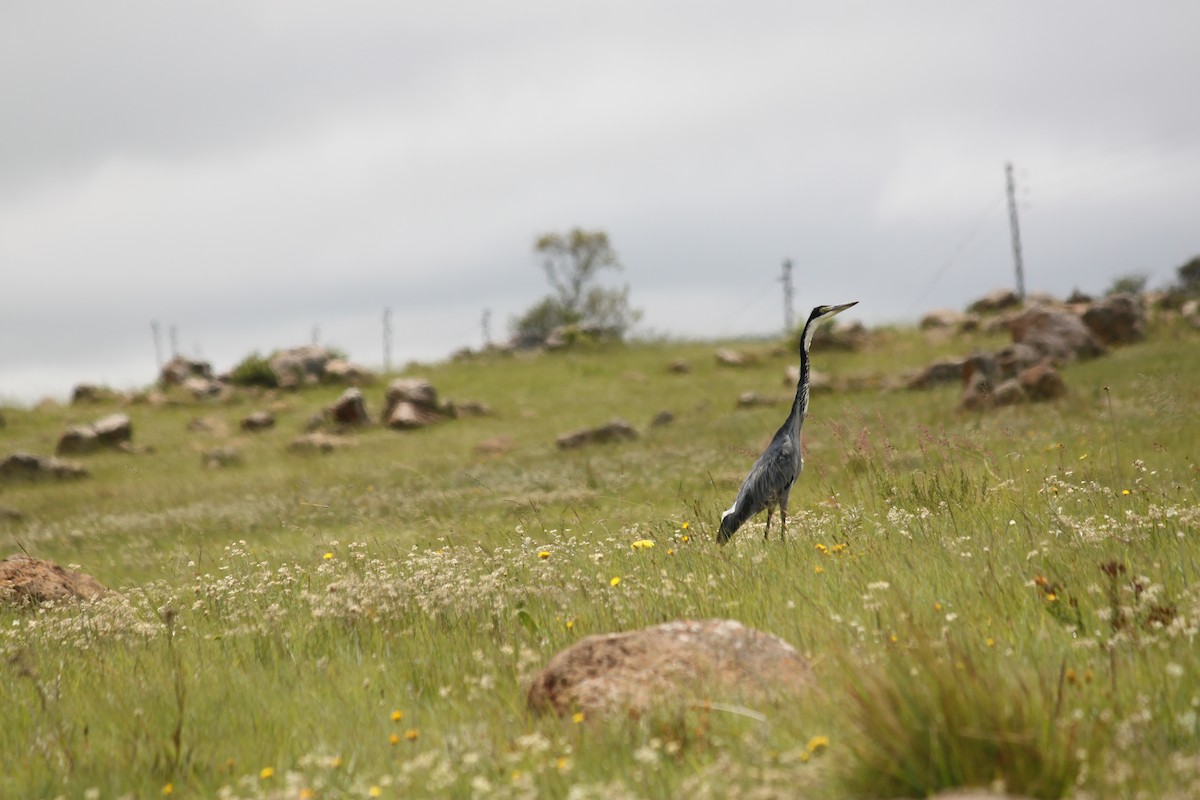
300, 366
995, 300
179, 369
495, 446
201, 387
213, 426
412, 403
1042, 382
662, 418
1117, 319
943, 318
77, 440
679, 367
221, 457
1008, 393
1016, 358
937, 373
23, 466
318, 443
90, 393
977, 393
349, 409
1190, 311
10, 514
32, 580
339, 370
615, 431
668, 665
1056, 334
731, 358
258, 421
850, 337
472, 408
113, 430
756, 400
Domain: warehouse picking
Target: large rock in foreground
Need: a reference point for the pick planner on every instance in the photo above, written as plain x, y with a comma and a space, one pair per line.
32, 580
668, 664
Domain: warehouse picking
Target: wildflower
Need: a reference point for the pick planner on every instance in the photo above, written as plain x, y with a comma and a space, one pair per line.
563, 762
266, 772
394, 739
1070, 675
570, 624
544, 554
937, 606
577, 717
684, 526
642, 544
397, 716
817, 743
895, 638
335, 762
374, 791
168, 789
1083, 457
991, 642
411, 734
818, 569
516, 775
328, 556
616, 580
670, 551
307, 794
685, 538
1125, 492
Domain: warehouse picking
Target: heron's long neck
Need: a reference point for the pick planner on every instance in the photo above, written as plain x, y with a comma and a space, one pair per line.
800, 404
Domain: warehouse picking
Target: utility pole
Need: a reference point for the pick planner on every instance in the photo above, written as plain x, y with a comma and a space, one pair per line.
1015, 229
387, 340
787, 296
173, 334
157, 329
486, 324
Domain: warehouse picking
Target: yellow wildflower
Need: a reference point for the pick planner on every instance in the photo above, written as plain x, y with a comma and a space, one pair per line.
397, 716
642, 544
328, 556
614, 581
1125, 492
684, 526
412, 733
266, 772
818, 569
570, 624
544, 554
817, 743
374, 791
168, 789
577, 717
991, 642
394, 739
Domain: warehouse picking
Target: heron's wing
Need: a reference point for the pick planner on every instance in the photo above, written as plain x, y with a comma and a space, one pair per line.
770, 477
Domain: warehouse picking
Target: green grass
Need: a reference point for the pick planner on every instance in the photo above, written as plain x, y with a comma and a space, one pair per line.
983, 602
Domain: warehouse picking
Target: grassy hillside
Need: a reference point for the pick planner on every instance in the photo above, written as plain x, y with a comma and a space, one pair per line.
1009, 597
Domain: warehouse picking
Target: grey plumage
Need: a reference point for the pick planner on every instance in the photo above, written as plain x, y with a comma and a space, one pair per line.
771, 478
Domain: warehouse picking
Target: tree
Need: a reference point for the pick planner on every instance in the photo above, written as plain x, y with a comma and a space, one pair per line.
1189, 276
572, 263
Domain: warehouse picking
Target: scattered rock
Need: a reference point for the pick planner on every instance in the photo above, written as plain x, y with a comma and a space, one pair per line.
943, 318
213, 426
318, 442
10, 514
679, 367
1008, 393
412, 403
23, 466
615, 431
1042, 382
937, 373
201, 387
731, 358
87, 393
33, 580
995, 300
662, 418
832, 336
300, 366
179, 369
339, 370
258, 421
756, 400
113, 431
1056, 334
221, 457
349, 409
495, 446
1117, 319
669, 664
1014, 359
1190, 311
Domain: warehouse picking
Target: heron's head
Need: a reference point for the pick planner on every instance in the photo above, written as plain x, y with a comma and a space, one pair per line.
822, 313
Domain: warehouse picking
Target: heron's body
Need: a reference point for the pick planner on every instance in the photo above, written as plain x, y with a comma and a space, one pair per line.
773, 474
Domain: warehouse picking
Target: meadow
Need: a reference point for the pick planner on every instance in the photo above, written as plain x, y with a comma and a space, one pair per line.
1007, 599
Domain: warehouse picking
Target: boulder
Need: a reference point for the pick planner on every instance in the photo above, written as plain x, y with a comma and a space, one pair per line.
76, 440
200, 387
615, 431
412, 403
340, 370
113, 430
318, 443
25, 580
679, 367
300, 366
1117, 319
23, 466
662, 418
1014, 359
936, 374
90, 393
1190, 311
10, 514
731, 358
257, 421
1056, 334
179, 369
1008, 393
409, 416
943, 318
349, 409
672, 664
995, 300
1042, 382
213, 426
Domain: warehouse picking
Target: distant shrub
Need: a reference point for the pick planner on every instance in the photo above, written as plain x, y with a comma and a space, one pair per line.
254, 370
1133, 283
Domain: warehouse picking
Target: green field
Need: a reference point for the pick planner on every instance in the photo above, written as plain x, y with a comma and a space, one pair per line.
1001, 599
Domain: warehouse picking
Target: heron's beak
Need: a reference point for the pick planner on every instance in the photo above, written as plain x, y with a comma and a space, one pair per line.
839, 309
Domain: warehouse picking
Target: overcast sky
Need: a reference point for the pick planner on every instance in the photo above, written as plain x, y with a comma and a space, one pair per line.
245, 171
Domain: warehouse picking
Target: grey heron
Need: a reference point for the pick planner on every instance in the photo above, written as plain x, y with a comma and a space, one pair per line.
771, 478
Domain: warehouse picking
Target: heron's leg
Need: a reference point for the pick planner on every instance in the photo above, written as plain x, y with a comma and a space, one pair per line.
767, 530
783, 524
